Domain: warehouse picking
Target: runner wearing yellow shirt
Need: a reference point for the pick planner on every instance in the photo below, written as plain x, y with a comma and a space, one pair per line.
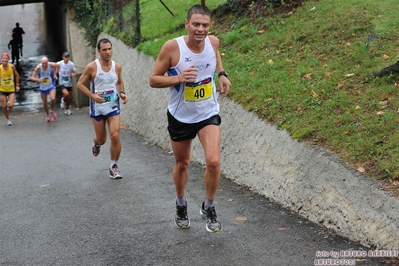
9, 83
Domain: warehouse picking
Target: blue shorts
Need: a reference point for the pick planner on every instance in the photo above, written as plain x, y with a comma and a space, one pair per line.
101, 117
47, 92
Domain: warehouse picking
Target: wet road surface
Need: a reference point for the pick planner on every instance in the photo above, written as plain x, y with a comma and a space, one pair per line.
30, 18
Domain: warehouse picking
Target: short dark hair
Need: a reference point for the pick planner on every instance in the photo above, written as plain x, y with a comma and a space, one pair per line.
103, 40
198, 9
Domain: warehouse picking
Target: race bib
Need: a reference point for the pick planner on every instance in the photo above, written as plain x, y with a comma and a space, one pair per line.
7, 82
65, 79
108, 96
46, 81
199, 91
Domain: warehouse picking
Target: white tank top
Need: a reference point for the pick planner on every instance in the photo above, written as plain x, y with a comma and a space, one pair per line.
194, 102
105, 82
65, 73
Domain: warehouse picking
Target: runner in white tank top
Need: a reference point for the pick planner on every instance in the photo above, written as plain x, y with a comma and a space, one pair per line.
104, 84
106, 90
191, 62
66, 71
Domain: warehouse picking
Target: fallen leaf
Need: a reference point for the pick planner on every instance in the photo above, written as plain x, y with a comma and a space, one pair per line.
308, 76
240, 220
357, 107
349, 75
45, 185
341, 83
328, 75
230, 200
384, 97
361, 169
385, 56
261, 31
282, 229
314, 94
380, 113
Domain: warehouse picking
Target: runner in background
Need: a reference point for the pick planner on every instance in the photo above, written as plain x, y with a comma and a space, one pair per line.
18, 31
9, 83
66, 71
15, 48
44, 73
106, 91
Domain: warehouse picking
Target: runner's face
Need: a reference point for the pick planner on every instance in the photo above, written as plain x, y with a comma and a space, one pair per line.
4, 60
198, 27
105, 51
44, 64
66, 59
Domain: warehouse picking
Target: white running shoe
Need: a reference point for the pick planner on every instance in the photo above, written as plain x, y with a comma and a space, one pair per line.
9, 123
62, 104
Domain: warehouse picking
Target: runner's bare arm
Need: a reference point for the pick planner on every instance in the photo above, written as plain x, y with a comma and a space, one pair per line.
161, 66
34, 75
86, 77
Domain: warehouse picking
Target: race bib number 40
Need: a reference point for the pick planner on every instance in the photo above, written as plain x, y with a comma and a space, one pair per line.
198, 91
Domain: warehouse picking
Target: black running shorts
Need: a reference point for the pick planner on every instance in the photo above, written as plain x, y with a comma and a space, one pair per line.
180, 131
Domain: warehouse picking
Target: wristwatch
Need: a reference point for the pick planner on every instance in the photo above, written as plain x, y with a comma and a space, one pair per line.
223, 73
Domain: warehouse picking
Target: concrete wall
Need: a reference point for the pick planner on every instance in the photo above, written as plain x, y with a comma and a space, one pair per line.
81, 54
256, 154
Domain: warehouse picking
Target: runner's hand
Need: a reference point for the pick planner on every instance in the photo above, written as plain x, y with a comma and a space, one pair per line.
224, 85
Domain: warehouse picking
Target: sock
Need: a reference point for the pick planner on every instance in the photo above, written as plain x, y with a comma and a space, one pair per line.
208, 203
112, 163
181, 201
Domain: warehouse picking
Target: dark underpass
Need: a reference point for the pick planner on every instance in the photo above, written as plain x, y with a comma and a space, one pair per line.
44, 24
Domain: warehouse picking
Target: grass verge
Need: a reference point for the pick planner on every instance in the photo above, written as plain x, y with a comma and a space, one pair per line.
308, 70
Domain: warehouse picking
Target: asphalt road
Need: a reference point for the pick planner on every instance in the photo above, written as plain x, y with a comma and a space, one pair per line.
59, 206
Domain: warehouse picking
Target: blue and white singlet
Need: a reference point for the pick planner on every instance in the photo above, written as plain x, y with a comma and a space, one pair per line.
48, 78
105, 82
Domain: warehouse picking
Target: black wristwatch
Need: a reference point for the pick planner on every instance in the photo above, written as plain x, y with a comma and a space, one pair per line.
223, 73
